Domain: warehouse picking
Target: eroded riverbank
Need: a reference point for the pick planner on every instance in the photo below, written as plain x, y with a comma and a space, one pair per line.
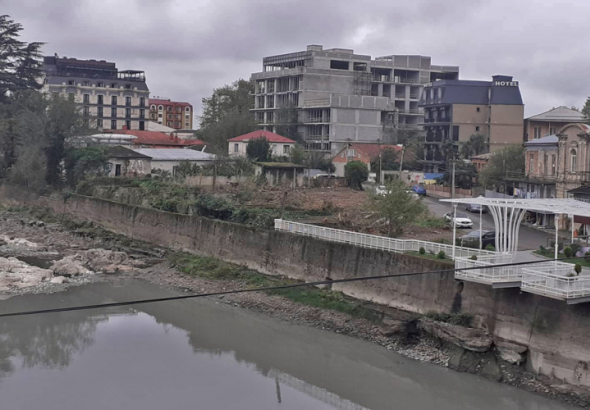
150, 264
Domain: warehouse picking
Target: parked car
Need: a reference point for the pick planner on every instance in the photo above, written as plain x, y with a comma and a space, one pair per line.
461, 220
419, 190
324, 176
476, 208
382, 190
472, 239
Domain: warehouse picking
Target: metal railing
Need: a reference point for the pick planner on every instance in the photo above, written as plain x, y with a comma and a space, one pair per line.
375, 241
488, 274
556, 284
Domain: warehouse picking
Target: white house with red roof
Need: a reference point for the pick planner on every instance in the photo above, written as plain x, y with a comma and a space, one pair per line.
280, 145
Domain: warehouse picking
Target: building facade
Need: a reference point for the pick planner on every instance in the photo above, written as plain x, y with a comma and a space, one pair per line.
549, 122
343, 97
279, 145
454, 110
108, 98
364, 153
173, 114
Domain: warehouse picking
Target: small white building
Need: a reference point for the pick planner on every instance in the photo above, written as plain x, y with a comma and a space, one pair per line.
280, 146
124, 162
167, 159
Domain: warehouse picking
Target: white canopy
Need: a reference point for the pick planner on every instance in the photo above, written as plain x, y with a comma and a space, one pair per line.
549, 205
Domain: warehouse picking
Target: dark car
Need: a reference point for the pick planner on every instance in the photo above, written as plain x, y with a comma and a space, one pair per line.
472, 239
476, 208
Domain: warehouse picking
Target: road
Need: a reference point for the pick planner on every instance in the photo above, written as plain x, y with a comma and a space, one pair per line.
529, 238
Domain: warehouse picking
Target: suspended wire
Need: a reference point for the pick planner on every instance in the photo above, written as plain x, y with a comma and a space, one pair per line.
266, 289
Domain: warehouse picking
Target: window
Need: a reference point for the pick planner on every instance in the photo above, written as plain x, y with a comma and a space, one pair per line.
177, 117
127, 112
99, 84
545, 164
160, 108
188, 109
71, 82
152, 107
187, 124
553, 164
551, 130
142, 114
477, 128
178, 109
536, 132
236, 147
114, 100
142, 101
86, 110
98, 123
128, 125
574, 155
113, 124
531, 164
160, 115
339, 65
478, 109
127, 101
114, 112
100, 112
128, 86
169, 108
86, 83
86, 99
71, 96
351, 152
169, 123
187, 117
100, 99
286, 149
114, 85
141, 125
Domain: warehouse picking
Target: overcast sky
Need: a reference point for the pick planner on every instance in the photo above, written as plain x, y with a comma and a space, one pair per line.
189, 47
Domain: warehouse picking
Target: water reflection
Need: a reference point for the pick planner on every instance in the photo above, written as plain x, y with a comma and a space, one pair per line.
176, 352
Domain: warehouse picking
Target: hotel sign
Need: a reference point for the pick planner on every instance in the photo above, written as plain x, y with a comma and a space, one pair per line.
506, 83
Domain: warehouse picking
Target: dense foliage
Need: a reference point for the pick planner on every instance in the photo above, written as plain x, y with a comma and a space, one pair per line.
356, 172
258, 149
510, 160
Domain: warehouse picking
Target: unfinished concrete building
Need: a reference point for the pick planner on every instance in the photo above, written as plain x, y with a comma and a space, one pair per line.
342, 97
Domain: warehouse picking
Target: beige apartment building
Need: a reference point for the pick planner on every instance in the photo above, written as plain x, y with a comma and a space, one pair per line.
107, 97
454, 110
549, 122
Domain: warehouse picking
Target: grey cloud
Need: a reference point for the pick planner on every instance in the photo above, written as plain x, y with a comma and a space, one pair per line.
187, 48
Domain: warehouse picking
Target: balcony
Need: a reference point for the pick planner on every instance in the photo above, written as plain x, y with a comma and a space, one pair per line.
400, 96
556, 280
316, 120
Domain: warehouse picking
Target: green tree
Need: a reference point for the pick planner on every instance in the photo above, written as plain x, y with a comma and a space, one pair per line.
464, 175
20, 62
187, 169
356, 172
82, 162
226, 115
398, 207
287, 122
474, 146
586, 111
258, 149
510, 160
297, 155
389, 161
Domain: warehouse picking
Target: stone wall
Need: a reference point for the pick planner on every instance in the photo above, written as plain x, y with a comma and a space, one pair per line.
555, 333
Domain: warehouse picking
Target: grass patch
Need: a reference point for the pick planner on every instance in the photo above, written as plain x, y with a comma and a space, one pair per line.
213, 268
430, 256
458, 319
431, 222
550, 254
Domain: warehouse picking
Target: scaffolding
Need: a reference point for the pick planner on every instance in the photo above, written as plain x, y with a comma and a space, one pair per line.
362, 82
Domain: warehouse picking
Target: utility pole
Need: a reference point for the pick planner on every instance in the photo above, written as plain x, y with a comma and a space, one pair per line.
453, 181
401, 162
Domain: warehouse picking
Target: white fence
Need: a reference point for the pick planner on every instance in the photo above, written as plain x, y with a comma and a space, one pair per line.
551, 280
485, 273
377, 242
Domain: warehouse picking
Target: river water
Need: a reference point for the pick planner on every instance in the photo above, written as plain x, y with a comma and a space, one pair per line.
201, 354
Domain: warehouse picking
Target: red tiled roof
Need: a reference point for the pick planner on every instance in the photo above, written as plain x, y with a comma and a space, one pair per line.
372, 150
158, 138
270, 137
158, 101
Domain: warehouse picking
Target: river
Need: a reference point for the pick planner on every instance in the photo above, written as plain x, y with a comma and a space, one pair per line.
203, 354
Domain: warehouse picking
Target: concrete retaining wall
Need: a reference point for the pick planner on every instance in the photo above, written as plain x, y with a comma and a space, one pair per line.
556, 334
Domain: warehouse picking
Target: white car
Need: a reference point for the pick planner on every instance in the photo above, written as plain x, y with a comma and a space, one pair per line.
382, 190
461, 221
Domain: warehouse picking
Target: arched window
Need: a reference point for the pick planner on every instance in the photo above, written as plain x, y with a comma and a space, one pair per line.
574, 156
188, 109
153, 107
160, 108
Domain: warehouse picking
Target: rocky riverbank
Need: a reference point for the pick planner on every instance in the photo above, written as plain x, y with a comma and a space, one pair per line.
41, 254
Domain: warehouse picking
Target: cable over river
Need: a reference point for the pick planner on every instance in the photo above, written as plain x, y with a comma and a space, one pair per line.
204, 354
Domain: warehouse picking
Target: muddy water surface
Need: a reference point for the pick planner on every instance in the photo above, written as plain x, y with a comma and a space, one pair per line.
202, 354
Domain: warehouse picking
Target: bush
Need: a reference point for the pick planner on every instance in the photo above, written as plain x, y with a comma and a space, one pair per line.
473, 258
567, 251
491, 248
542, 249
356, 172
441, 255
575, 248
578, 268
422, 251
458, 319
